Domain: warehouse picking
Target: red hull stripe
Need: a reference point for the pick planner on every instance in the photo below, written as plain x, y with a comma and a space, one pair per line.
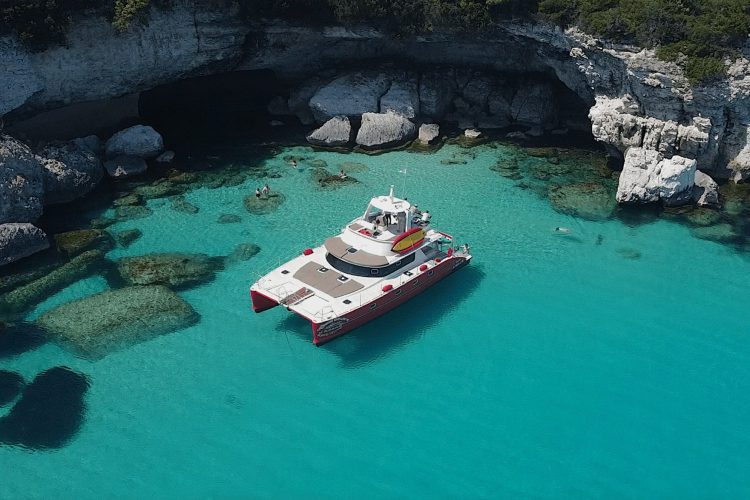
261, 302
329, 330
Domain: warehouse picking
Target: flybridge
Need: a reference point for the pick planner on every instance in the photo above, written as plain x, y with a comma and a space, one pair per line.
378, 261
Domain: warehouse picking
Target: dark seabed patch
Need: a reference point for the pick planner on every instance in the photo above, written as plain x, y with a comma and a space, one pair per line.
19, 338
49, 413
11, 384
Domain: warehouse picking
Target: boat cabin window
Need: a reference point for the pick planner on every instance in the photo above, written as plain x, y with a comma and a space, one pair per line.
371, 213
355, 270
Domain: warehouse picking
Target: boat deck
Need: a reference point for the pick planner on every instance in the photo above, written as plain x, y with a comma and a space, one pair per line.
328, 281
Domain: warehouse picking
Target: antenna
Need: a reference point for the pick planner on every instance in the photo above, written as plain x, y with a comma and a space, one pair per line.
390, 195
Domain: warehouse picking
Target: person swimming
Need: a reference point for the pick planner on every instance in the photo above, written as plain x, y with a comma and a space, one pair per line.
562, 230
293, 163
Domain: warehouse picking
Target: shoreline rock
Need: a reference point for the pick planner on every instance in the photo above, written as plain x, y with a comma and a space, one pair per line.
19, 240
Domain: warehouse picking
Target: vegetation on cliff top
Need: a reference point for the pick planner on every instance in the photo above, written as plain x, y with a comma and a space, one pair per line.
698, 34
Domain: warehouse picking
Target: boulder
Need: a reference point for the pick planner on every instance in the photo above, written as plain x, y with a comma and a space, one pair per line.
90, 143
589, 200
50, 412
161, 188
649, 177
75, 242
402, 97
125, 166
113, 320
705, 190
176, 270
141, 141
128, 237
335, 132
180, 204
435, 94
229, 219
472, 133
21, 182
243, 252
381, 130
349, 95
127, 212
263, 205
69, 172
534, 104
24, 297
19, 240
720, 233
428, 132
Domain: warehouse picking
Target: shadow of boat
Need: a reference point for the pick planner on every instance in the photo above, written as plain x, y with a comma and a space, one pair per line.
396, 328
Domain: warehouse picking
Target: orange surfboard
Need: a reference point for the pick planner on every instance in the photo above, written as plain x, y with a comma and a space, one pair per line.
409, 240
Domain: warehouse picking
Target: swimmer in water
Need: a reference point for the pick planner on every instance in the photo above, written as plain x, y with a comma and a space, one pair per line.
293, 163
562, 230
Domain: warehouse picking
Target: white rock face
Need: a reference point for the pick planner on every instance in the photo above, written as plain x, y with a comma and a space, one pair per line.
125, 166
349, 95
648, 177
379, 130
335, 132
402, 97
97, 62
139, 140
705, 191
21, 182
428, 132
472, 133
69, 172
19, 240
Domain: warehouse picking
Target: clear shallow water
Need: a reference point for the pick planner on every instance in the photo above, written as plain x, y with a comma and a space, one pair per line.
552, 366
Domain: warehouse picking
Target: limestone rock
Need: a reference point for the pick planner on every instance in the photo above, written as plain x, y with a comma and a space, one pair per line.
299, 100
90, 143
428, 132
589, 200
534, 104
649, 177
125, 166
19, 240
24, 297
720, 233
229, 219
69, 172
402, 97
435, 94
472, 133
263, 205
139, 140
349, 95
175, 270
21, 182
180, 204
243, 252
165, 157
113, 320
128, 237
705, 191
335, 132
75, 242
381, 130
129, 212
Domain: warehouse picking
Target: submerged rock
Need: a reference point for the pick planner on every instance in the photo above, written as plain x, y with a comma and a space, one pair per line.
721, 233
382, 130
169, 269
125, 166
165, 157
352, 167
129, 212
335, 132
128, 237
589, 200
264, 204
159, 189
19, 240
229, 219
75, 242
629, 253
113, 320
139, 140
180, 204
129, 199
11, 385
49, 413
26, 296
243, 252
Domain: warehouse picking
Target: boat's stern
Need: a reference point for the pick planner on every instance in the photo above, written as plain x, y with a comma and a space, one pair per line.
260, 301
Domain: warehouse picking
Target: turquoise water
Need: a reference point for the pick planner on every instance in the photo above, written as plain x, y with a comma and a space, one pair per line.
552, 366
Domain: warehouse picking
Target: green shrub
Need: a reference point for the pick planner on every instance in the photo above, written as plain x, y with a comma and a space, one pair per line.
126, 11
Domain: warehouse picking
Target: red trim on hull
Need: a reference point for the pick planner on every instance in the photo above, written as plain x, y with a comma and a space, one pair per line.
331, 329
261, 302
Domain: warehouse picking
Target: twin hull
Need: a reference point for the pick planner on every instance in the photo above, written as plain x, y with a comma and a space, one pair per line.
338, 326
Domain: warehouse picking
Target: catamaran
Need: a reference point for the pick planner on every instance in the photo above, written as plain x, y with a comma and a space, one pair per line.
379, 261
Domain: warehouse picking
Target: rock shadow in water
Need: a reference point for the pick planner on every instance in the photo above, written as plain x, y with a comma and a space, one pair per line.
11, 384
20, 338
50, 412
